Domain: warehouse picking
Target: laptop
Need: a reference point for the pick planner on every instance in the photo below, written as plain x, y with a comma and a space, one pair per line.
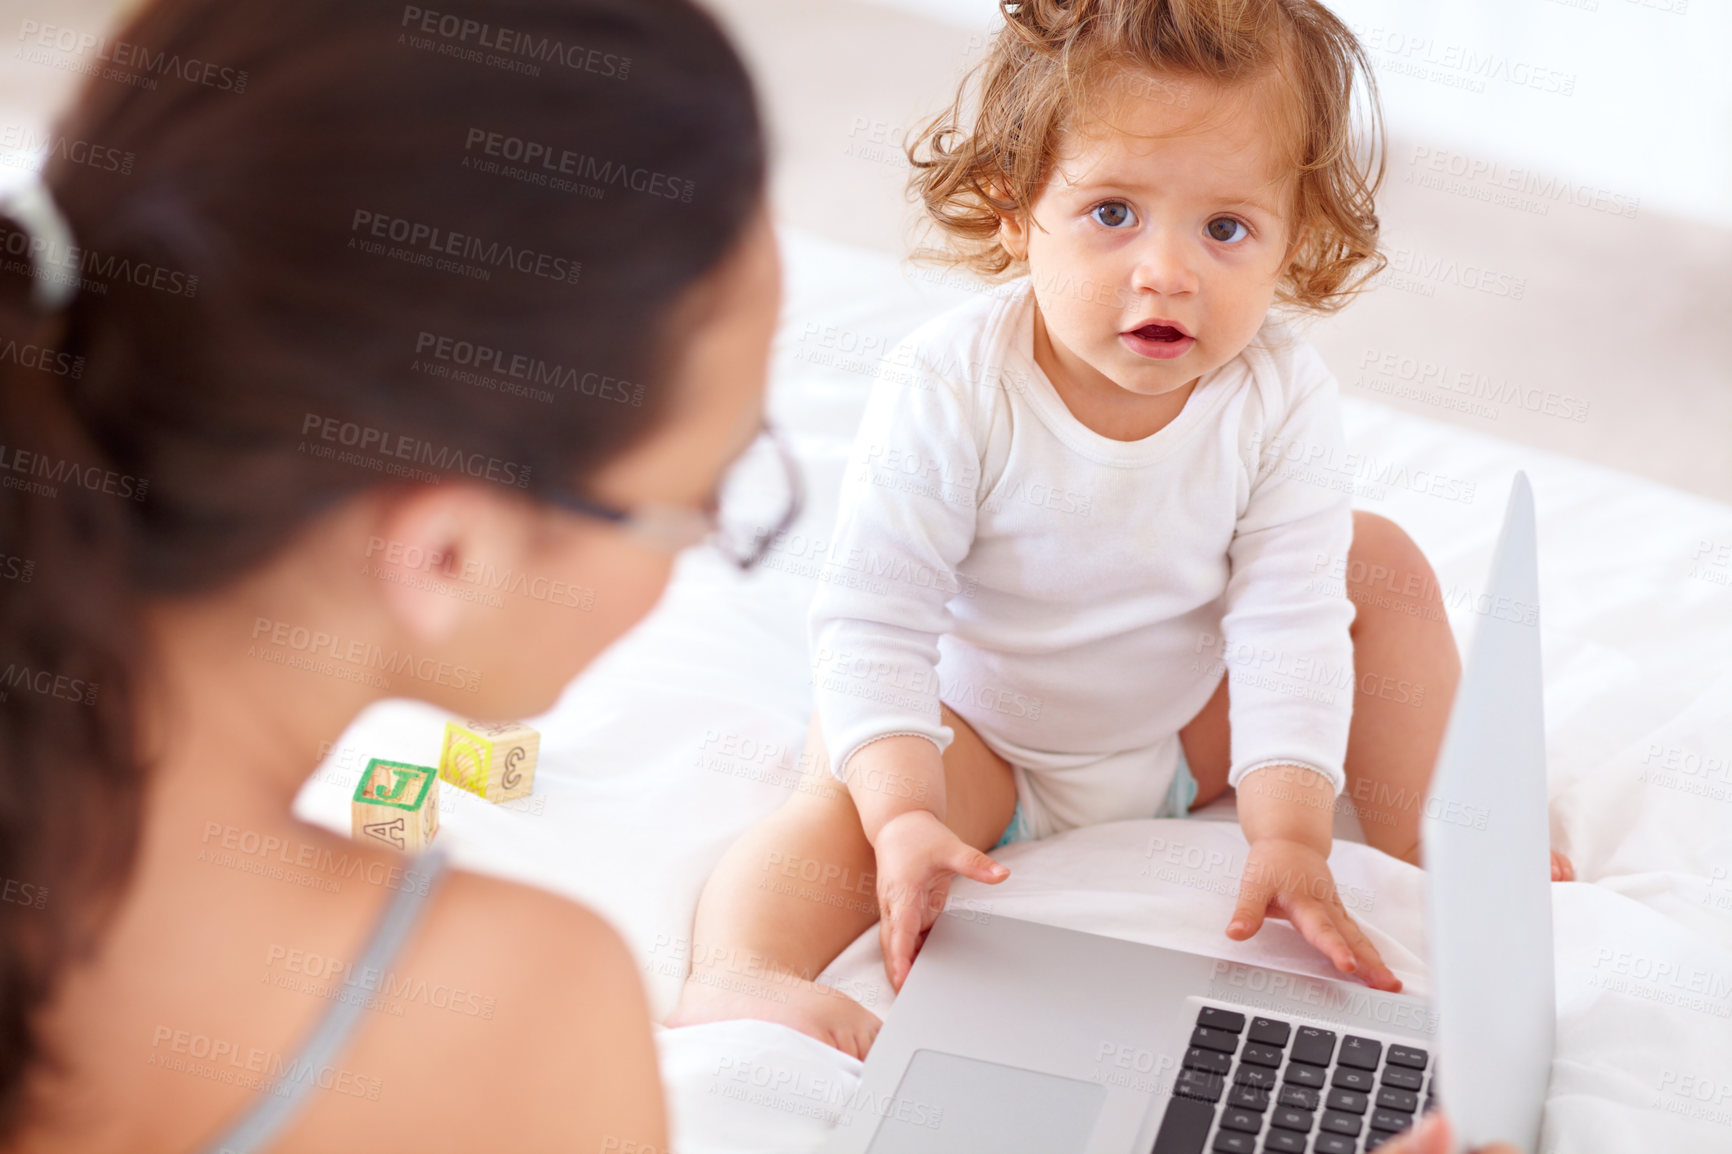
1011, 1037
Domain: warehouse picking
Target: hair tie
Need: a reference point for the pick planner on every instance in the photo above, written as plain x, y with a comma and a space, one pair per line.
31, 204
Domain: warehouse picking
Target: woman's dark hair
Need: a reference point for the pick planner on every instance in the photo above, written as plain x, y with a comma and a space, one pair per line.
321, 246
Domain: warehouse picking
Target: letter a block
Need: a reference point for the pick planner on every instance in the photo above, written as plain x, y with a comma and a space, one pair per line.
397, 805
494, 760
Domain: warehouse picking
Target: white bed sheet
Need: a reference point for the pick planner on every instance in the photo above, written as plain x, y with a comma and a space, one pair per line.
687, 731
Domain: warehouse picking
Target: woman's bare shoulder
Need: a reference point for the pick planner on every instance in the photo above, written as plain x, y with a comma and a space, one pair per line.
529, 937
514, 1019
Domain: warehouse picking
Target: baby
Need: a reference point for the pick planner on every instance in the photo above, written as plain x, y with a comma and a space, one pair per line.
1119, 566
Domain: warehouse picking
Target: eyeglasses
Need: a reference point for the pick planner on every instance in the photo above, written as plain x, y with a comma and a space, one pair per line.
734, 524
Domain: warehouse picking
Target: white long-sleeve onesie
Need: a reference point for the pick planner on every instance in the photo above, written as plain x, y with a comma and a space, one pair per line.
1075, 598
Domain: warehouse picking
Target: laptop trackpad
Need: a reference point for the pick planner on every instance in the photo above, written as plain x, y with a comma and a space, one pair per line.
947, 1103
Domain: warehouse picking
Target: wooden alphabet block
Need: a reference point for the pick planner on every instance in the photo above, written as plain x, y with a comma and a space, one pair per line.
397, 804
494, 760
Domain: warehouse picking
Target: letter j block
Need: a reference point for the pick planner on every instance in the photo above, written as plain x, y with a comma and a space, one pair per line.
396, 804
494, 760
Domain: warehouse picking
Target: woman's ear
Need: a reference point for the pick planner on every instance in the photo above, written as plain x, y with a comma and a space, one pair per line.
426, 538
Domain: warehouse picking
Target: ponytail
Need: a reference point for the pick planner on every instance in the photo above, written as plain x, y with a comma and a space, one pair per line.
70, 783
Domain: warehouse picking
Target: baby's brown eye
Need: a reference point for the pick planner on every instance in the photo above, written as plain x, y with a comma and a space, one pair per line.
1226, 229
1112, 214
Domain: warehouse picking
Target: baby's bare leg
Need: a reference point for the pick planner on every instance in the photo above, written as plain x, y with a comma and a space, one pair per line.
1406, 668
799, 886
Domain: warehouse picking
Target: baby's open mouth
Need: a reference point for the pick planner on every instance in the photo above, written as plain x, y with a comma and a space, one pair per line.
1158, 333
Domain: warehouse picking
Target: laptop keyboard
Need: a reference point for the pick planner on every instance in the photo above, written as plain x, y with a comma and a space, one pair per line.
1263, 1084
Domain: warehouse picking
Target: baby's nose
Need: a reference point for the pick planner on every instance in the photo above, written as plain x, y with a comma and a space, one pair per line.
1164, 265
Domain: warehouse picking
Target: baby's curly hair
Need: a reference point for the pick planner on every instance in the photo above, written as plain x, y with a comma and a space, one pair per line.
1053, 55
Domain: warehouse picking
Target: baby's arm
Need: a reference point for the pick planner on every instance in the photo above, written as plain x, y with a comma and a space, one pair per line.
917, 853
905, 522
1289, 659
1285, 813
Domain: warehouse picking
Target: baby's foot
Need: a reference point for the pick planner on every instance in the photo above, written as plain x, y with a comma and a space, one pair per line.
1562, 869
715, 994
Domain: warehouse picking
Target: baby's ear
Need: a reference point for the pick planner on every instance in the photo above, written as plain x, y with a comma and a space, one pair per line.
1013, 234
1012, 223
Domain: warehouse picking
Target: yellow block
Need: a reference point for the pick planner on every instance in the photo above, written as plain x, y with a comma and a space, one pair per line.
493, 760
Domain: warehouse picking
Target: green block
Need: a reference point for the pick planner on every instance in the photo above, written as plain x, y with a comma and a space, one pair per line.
407, 788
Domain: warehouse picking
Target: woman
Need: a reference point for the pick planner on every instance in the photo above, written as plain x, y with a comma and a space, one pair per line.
466, 288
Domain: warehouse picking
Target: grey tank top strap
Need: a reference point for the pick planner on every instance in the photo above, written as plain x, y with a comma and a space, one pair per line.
283, 1099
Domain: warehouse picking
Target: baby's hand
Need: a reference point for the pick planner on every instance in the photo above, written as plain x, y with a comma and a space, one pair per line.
1291, 880
917, 856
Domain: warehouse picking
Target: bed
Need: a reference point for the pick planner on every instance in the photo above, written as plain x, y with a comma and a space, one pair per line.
688, 730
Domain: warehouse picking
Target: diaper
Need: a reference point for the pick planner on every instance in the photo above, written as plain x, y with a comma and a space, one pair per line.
1153, 782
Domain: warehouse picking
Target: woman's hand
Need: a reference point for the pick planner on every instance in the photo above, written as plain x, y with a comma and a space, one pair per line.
917, 857
1431, 1135
1291, 880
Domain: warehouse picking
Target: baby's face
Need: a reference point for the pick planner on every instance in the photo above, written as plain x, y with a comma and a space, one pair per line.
1160, 237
